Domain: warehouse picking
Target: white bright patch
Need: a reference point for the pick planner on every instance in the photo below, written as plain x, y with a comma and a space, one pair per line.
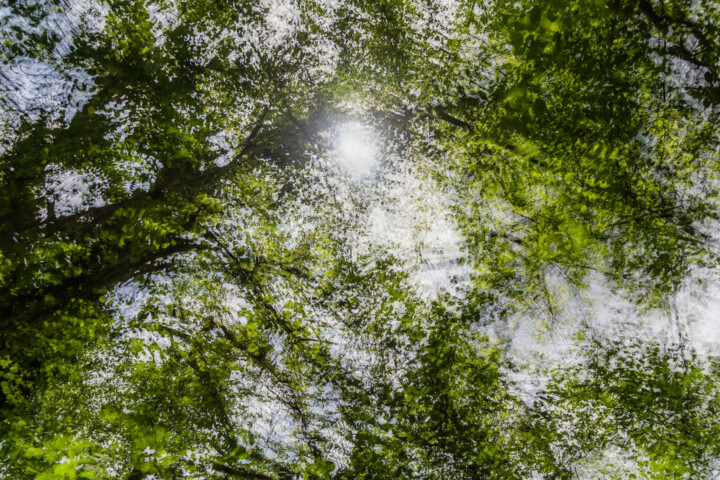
356, 148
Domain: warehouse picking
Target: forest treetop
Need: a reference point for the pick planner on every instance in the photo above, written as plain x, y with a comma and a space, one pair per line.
189, 287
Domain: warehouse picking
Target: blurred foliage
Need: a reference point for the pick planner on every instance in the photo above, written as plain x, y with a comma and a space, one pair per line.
179, 294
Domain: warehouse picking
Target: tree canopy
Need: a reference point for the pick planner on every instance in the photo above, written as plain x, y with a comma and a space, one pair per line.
349, 239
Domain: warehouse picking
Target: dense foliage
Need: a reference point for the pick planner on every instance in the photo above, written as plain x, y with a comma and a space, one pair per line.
193, 286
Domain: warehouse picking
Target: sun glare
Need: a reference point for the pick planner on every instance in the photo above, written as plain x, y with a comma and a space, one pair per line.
356, 148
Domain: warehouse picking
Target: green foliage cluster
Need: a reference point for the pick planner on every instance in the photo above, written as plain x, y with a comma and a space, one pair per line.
590, 152
660, 406
198, 312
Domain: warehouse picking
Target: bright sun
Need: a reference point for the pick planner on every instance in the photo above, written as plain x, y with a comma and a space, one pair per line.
357, 149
